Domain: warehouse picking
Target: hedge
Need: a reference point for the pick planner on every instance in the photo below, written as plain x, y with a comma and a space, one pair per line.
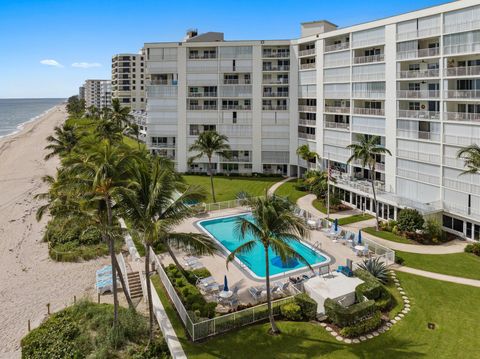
355, 313
291, 311
371, 288
363, 327
308, 306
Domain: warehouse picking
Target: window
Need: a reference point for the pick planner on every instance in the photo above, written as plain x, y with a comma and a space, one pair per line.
433, 66
414, 67
414, 87
414, 106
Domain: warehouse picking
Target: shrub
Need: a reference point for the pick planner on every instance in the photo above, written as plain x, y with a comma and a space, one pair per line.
399, 260
371, 288
433, 230
90, 236
388, 225
307, 305
376, 268
343, 317
363, 327
291, 311
473, 248
410, 220
194, 275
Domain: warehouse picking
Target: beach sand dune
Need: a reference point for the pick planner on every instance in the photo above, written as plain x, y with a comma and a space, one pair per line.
29, 279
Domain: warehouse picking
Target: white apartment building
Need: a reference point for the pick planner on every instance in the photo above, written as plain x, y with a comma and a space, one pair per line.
129, 80
412, 79
98, 93
81, 93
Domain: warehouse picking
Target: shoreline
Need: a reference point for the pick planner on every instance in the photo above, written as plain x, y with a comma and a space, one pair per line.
29, 279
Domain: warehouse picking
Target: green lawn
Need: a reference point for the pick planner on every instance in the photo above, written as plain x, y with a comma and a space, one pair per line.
320, 205
432, 301
465, 265
226, 188
354, 218
288, 190
389, 236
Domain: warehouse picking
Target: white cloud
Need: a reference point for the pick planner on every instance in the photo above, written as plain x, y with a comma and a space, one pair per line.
50, 62
86, 65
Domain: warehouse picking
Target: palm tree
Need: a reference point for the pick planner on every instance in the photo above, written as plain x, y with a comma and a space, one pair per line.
108, 130
471, 157
367, 152
317, 182
274, 227
207, 144
119, 114
306, 154
102, 175
63, 141
92, 112
134, 129
156, 206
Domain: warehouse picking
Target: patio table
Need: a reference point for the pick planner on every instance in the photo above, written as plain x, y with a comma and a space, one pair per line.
225, 294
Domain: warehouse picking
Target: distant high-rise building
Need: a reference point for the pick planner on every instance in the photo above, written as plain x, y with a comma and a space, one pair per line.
98, 93
81, 93
129, 81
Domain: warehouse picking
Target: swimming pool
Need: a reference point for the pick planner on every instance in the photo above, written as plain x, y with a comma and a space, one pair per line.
223, 231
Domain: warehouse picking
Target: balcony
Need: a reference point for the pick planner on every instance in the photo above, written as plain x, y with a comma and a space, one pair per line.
368, 94
276, 55
306, 52
236, 107
413, 54
462, 71
461, 186
414, 175
453, 162
205, 56
274, 108
432, 31
462, 116
305, 108
335, 109
415, 74
163, 82
307, 136
201, 107
236, 159
281, 81
202, 94
463, 26
369, 59
304, 122
335, 141
418, 156
369, 111
462, 94
336, 47
237, 81
462, 48
276, 68
418, 94
336, 125
461, 210
419, 135
275, 94
308, 66
424, 115
459, 140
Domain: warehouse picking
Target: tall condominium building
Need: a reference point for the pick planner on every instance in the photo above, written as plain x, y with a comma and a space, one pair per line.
98, 93
129, 80
412, 79
81, 93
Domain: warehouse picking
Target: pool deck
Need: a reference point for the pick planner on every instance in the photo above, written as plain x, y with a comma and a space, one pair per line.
216, 263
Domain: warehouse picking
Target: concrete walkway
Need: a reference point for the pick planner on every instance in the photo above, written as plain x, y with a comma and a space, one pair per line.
275, 186
438, 276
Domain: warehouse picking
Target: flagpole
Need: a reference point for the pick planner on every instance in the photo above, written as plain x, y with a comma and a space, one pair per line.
328, 188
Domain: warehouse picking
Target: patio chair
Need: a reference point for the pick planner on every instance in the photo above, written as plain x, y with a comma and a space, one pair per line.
323, 271
366, 251
255, 292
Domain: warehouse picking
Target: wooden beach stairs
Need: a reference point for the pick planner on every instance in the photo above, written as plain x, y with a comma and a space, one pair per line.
134, 285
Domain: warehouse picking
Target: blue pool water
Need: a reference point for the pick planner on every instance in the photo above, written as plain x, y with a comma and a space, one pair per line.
223, 230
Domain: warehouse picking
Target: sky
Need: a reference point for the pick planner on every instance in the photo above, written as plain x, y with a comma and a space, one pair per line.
49, 47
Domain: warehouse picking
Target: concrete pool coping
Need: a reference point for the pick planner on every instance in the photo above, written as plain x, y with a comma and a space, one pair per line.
244, 267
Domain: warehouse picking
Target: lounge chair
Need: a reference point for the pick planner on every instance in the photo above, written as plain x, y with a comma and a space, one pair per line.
256, 292
345, 271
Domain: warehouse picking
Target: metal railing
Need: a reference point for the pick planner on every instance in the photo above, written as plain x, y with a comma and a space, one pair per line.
272, 55
307, 66
202, 56
280, 81
276, 68
413, 74
335, 109
305, 108
377, 76
201, 107
369, 111
202, 94
461, 116
459, 140
274, 108
418, 156
306, 52
237, 82
462, 26
337, 63
307, 136
403, 36
236, 107
419, 114
462, 94
412, 54
461, 186
418, 176
462, 71
275, 94
338, 125
453, 162
418, 93
335, 47
368, 94
420, 135
304, 122
368, 59
461, 48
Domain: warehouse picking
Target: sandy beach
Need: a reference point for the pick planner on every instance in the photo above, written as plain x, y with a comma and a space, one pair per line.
29, 279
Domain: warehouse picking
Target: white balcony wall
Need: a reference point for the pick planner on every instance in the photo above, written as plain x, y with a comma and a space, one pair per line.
336, 138
307, 77
242, 65
273, 144
202, 79
369, 90
423, 27
338, 91
375, 72
162, 54
368, 37
235, 130
243, 117
157, 91
275, 157
335, 153
420, 192
161, 104
368, 125
337, 59
419, 171
275, 131
235, 52
458, 202
460, 43
306, 91
235, 91
450, 157
419, 151
340, 74
205, 66
461, 135
462, 20
202, 117
161, 67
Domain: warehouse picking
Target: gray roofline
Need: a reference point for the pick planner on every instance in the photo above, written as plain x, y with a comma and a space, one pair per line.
318, 21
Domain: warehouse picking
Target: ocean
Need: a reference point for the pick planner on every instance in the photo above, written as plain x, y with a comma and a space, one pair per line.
14, 113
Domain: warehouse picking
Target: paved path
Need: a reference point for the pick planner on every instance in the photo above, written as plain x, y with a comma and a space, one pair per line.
454, 246
443, 277
275, 186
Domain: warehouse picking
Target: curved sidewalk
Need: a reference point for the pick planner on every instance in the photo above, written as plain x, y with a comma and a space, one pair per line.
438, 276
275, 186
454, 246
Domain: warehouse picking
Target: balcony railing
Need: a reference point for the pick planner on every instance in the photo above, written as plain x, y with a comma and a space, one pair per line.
202, 94
307, 136
335, 109
463, 26
418, 33
272, 55
375, 130
235, 159
306, 52
275, 94
453, 162
277, 68
368, 59
414, 175
201, 56
462, 210
337, 78
336, 47
307, 122
414, 74
376, 76
419, 135
418, 94
305, 108
281, 81
462, 71
369, 94
459, 140
461, 48
337, 63
237, 82
369, 111
418, 156
274, 108
310, 65
413, 54
462, 116
464, 94
163, 82
335, 141
337, 125
461, 186
236, 107
424, 115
